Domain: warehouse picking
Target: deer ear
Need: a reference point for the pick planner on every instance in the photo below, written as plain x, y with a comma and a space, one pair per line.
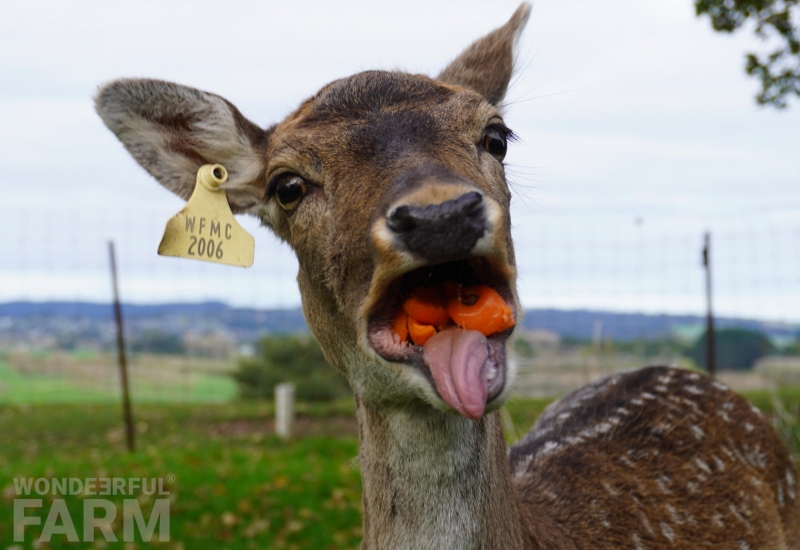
487, 64
172, 130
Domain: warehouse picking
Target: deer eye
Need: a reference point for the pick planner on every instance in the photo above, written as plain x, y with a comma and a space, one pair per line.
290, 190
495, 142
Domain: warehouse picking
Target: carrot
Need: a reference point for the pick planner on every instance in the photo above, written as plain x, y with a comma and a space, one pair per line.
400, 325
427, 306
420, 332
480, 308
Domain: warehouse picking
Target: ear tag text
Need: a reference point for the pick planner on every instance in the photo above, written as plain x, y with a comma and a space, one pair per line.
205, 229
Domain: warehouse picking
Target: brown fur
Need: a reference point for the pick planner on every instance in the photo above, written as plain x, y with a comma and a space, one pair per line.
657, 458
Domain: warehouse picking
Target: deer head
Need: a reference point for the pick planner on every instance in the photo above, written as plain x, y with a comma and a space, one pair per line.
380, 182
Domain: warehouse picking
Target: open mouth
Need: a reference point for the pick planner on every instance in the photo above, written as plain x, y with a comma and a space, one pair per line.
460, 346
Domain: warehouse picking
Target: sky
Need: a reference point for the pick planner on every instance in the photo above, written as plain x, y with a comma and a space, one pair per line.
639, 132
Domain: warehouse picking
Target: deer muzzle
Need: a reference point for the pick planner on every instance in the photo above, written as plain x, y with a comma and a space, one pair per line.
440, 241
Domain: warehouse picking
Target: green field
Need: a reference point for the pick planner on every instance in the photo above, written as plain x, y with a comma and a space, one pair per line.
77, 378
236, 486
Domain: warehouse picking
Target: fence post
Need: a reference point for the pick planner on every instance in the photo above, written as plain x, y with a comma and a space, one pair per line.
123, 364
711, 359
284, 410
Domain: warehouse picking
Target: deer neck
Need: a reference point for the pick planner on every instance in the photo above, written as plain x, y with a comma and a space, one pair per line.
435, 480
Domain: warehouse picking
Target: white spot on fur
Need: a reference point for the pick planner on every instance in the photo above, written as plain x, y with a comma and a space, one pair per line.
667, 531
703, 465
627, 462
674, 513
549, 447
719, 385
743, 545
637, 542
694, 390
693, 405
648, 395
609, 489
739, 516
646, 523
693, 376
637, 401
718, 520
698, 432
605, 427
718, 463
748, 427
662, 481
660, 388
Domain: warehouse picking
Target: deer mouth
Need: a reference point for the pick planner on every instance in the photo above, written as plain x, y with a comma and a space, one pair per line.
461, 352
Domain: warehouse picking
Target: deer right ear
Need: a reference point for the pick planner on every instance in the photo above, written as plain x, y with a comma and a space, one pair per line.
487, 64
172, 130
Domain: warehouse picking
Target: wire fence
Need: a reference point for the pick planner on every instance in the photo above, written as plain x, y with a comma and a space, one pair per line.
584, 285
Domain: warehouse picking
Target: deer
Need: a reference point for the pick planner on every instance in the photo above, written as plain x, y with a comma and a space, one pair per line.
386, 181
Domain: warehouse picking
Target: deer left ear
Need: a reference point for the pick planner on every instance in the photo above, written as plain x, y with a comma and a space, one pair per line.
486, 65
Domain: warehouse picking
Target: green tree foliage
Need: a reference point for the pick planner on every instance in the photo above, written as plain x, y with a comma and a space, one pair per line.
155, 341
296, 359
776, 20
793, 348
735, 348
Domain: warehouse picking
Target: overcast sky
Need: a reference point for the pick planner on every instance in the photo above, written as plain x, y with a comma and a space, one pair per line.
638, 125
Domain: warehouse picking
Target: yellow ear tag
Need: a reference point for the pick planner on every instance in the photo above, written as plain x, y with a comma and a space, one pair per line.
205, 229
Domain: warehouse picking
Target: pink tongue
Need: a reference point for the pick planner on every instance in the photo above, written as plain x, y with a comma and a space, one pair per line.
456, 358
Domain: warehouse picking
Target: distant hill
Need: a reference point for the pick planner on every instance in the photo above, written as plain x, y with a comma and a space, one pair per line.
580, 324
247, 324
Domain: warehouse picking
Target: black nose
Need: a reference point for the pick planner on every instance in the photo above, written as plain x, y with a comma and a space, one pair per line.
441, 232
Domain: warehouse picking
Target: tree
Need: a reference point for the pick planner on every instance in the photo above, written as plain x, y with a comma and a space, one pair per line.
779, 70
735, 348
296, 359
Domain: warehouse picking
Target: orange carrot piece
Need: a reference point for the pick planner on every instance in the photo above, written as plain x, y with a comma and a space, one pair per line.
427, 306
400, 325
480, 308
420, 332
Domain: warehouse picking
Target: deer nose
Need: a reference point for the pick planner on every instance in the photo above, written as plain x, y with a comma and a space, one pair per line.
440, 232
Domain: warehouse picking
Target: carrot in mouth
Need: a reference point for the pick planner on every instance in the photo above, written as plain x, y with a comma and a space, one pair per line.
427, 306
400, 325
430, 309
480, 308
420, 332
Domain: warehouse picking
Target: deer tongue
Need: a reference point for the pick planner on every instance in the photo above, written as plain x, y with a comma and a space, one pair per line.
457, 359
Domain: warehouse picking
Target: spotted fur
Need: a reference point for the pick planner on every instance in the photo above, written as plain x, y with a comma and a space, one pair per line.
659, 458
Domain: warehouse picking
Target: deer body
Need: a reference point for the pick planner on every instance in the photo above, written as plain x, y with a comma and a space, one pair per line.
385, 183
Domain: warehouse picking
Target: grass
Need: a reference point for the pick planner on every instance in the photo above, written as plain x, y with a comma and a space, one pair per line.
236, 486
73, 379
